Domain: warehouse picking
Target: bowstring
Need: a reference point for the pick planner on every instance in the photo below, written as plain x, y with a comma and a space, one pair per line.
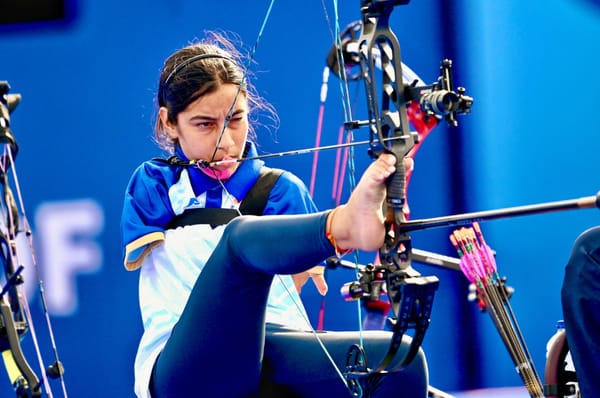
246, 69
347, 109
301, 310
349, 155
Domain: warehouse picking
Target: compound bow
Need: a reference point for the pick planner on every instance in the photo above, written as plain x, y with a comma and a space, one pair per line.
15, 318
410, 294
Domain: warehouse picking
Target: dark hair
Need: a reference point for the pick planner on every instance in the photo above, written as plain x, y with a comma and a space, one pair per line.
198, 69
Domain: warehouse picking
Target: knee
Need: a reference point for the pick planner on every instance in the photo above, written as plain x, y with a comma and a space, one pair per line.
586, 248
238, 236
582, 273
234, 231
231, 238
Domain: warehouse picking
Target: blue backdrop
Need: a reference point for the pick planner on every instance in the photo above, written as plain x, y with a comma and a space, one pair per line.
86, 118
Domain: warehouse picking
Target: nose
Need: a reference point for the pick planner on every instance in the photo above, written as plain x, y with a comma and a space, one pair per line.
226, 137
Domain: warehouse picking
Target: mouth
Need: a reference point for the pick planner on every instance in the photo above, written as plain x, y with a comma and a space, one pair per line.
221, 169
224, 163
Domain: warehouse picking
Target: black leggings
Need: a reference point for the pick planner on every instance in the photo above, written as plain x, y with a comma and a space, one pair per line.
216, 349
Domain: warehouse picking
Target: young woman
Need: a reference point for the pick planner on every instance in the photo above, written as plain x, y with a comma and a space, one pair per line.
211, 283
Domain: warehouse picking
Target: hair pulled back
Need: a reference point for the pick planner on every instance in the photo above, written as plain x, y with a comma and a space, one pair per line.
198, 69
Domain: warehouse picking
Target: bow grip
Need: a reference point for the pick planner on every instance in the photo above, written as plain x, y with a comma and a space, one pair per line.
396, 186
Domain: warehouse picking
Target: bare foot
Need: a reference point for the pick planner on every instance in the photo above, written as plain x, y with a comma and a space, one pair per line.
358, 224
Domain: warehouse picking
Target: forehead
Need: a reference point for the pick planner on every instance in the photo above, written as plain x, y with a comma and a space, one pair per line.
220, 100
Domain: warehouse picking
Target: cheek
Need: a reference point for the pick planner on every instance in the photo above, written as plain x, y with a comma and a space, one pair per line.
204, 147
197, 147
241, 134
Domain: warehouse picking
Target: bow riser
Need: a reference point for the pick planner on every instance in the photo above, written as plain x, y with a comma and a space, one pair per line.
387, 119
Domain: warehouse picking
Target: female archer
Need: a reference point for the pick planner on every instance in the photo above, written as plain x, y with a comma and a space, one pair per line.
221, 313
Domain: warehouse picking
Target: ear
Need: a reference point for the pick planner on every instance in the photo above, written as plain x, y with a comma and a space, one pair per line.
169, 127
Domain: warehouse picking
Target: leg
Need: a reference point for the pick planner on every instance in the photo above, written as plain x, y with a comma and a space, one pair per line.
581, 304
295, 366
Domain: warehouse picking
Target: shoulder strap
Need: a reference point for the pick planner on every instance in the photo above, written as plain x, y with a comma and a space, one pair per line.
212, 216
256, 199
253, 204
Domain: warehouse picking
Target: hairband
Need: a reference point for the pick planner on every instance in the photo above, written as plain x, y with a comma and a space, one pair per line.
193, 59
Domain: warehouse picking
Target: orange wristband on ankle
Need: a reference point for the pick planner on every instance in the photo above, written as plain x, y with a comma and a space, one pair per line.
338, 251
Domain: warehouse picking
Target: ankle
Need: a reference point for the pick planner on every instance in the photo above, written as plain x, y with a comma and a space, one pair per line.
331, 236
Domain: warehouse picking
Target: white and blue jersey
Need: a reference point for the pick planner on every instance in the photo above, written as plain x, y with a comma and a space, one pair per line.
170, 260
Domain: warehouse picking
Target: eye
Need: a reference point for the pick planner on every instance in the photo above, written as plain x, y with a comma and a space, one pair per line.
205, 125
238, 118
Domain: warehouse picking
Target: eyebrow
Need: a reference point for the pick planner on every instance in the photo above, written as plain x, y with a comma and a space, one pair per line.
203, 117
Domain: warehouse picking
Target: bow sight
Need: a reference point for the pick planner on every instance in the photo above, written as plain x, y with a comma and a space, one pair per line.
440, 99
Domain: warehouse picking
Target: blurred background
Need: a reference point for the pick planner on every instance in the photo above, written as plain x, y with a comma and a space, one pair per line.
87, 72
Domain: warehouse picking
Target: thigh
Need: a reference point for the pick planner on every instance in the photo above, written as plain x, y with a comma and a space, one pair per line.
219, 334
295, 365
